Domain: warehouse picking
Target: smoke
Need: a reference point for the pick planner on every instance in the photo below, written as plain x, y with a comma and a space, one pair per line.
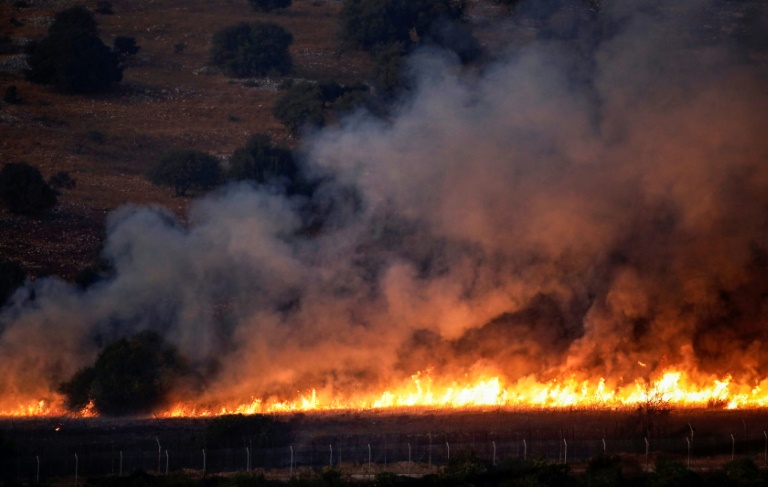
589, 199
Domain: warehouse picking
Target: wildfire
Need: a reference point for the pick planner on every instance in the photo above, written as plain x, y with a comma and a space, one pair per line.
672, 388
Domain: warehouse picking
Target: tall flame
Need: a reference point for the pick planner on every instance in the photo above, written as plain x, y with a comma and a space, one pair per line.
672, 388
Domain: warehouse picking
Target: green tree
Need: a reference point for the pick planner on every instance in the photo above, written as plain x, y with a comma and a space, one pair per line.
262, 161
254, 49
370, 24
269, 5
23, 189
182, 169
72, 58
130, 376
301, 105
12, 276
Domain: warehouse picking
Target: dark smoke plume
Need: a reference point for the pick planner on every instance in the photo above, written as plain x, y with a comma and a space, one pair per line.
593, 198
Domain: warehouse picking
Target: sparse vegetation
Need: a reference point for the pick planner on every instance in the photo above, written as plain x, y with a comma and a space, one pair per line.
23, 189
255, 49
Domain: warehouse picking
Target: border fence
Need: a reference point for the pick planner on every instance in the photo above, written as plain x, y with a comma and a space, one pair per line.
368, 455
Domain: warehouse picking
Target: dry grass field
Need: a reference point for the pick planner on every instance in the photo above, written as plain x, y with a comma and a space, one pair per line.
168, 98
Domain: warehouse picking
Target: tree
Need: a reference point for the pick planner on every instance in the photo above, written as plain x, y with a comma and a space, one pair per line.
252, 49
183, 169
12, 276
269, 5
371, 24
130, 376
304, 104
125, 46
72, 58
300, 106
262, 161
23, 189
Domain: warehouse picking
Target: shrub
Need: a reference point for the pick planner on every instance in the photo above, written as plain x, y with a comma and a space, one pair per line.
12, 276
269, 5
183, 169
72, 58
104, 7
125, 46
62, 180
233, 430
301, 105
130, 376
252, 49
11, 95
604, 471
373, 23
23, 189
261, 161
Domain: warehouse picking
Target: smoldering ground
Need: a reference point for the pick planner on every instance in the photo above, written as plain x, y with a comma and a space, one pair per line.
585, 201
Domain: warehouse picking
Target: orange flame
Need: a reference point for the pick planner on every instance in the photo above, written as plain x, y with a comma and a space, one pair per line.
672, 388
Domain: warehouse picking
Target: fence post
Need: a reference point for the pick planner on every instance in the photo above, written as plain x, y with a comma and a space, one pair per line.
409, 458
733, 446
448, 448
121, 464
166, 462
689, 451
369, 459
494, 453
647, 449
159, 453
247, 459
203, 461
525, 450
37, 475
291, 447
565, 452
330, 461
765, 452
429, 449
603, 445
77, 464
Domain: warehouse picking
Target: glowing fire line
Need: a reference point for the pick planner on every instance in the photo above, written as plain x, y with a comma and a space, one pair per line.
673, 388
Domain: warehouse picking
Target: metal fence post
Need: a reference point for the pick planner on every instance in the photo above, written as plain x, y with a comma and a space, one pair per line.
494, 453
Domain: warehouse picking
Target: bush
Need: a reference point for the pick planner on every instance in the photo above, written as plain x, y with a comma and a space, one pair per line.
183, 169
23, 189
269, 5
261, 161
369, 24
125, 46
12, 276
604, 471
300, 106
72, 58
11, 95
252, 49
130, 376
62, 180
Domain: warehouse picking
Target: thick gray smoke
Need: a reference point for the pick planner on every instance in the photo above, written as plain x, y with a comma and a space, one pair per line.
588, 200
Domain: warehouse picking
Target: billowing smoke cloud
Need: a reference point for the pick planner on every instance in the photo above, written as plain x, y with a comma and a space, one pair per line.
588, 200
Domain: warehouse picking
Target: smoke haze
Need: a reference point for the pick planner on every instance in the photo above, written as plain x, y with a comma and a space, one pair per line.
591, 199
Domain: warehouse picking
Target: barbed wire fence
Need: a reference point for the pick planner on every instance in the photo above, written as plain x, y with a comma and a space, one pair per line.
368, 455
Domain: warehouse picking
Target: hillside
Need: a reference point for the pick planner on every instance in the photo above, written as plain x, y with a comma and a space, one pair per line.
168, 98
